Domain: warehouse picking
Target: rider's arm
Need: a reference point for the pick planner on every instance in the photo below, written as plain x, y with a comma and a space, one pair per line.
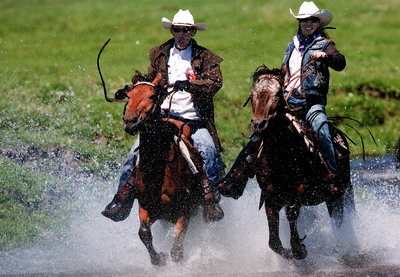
335, 59
208, 74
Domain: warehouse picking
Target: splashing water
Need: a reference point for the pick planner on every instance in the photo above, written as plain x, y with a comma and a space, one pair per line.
368, 244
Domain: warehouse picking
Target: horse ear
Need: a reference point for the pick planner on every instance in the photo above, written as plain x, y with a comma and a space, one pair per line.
157, 79
138, 77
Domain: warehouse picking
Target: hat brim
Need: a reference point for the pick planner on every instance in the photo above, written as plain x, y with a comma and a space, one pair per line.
324, 16
167, 24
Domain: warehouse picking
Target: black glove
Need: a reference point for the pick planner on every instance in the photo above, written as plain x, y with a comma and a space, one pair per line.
182, 85
121, 93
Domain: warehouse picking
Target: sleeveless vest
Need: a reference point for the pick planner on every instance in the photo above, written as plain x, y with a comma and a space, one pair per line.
317, 83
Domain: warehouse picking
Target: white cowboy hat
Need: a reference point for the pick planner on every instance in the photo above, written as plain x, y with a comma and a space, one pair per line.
309, 9
182, 18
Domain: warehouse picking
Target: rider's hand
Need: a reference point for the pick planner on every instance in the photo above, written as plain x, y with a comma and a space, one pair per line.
319, 55
182, 85
121, 93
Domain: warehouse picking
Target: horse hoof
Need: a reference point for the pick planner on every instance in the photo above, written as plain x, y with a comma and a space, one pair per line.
212, 212
159, 259
300, 253
286, 253
177, 255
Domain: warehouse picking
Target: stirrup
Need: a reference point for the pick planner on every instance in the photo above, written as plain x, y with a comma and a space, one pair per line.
334, 188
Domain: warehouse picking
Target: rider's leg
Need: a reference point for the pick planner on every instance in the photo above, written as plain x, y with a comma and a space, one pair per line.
122, 203
214, 169
316, 116
233, 184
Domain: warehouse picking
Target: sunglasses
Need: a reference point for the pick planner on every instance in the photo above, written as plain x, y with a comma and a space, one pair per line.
310, 19
185, 30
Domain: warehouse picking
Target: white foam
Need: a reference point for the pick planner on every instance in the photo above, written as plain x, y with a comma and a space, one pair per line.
237, 245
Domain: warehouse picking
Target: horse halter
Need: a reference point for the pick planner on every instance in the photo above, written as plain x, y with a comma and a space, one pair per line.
264, 76
265, 97
153, 108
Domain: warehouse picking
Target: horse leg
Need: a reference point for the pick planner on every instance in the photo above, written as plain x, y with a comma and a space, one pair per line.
336, 210
147, 238
299, 250
275, 242
180, 232
341, 211
336, 207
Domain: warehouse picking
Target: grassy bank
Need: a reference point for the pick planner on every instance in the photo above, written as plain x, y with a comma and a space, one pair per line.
52, 96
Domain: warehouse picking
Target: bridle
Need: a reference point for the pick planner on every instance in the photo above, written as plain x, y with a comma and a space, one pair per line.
153, 108
264, 76
135, 85
157, 102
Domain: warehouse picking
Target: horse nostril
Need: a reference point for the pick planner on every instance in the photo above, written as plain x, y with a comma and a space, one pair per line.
259, 125
262, 124
131, 121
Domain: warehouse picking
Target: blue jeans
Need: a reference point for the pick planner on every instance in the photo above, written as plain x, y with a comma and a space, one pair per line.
316, 116
213, 164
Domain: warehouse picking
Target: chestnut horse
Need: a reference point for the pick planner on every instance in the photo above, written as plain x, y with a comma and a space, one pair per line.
166, 182
288, 173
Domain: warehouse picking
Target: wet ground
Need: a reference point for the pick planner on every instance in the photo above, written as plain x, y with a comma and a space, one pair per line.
367, 245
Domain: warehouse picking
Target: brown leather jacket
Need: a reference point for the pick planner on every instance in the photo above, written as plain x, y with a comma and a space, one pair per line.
206, 66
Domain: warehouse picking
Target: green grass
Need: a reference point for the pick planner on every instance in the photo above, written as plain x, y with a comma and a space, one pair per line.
51, 95
30, 203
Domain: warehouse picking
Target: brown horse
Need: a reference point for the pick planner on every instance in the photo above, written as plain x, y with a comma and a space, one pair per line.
166, 180
288, 173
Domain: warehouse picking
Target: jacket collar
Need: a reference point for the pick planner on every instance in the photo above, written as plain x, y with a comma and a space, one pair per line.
166, 47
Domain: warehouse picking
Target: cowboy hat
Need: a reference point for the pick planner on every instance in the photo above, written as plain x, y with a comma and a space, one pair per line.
309, 9
182, 18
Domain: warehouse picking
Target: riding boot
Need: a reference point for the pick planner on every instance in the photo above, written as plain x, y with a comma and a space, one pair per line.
234, 183
121, 205
335, 188
212, 211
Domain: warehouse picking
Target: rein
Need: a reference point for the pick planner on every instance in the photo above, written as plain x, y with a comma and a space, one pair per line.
153, 109
301, 76
101, 76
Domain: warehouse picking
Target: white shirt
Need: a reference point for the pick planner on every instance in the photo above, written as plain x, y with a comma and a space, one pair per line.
294, 66
180, 103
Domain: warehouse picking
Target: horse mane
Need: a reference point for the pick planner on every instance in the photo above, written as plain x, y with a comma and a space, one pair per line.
263, 69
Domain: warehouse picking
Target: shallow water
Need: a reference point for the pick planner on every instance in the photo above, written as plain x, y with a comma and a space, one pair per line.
367, 245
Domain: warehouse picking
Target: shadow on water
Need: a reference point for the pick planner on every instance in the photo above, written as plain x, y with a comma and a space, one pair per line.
367, 245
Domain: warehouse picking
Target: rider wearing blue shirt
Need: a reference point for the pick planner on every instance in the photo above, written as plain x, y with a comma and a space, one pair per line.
305, 65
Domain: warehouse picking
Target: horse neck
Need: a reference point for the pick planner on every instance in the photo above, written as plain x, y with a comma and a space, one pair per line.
154, 149
279, 129
154, 136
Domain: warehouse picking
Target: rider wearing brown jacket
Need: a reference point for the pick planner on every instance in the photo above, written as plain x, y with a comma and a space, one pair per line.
191, 76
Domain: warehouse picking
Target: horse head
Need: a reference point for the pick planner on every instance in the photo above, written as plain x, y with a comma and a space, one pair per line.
266, 97
143, 101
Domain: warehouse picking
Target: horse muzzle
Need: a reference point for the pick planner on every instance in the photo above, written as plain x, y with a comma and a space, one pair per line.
259, 125
132, 126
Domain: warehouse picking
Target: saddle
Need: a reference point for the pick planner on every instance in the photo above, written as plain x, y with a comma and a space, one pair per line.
310, 138
184, 142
